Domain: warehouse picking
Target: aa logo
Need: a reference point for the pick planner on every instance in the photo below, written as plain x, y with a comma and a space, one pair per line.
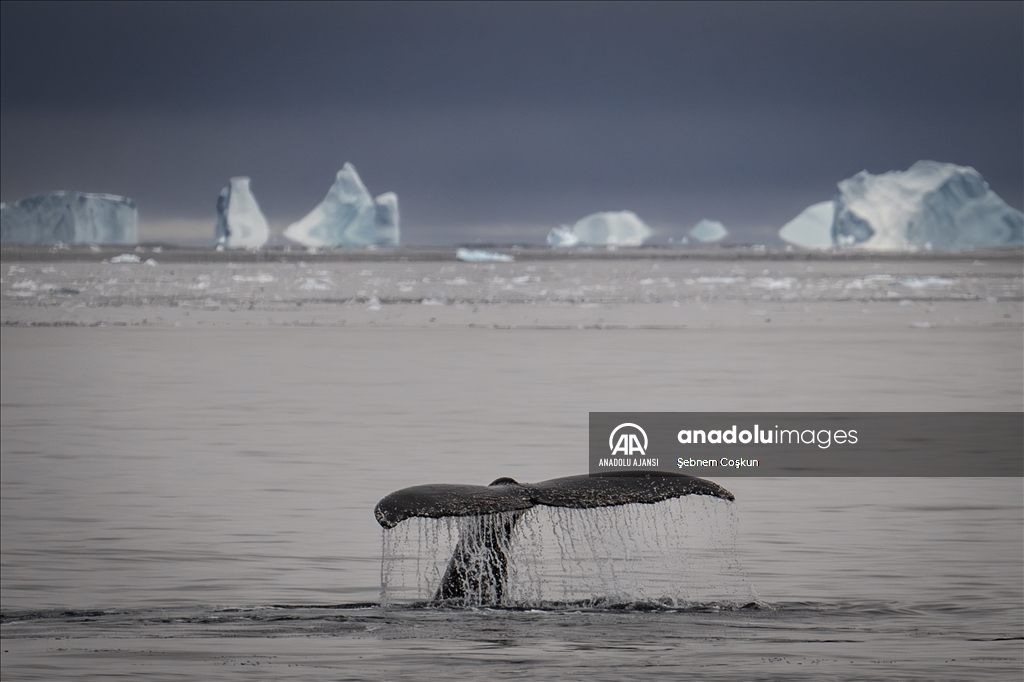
628, 442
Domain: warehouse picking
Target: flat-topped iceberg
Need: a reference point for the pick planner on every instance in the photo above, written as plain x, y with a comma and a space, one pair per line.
812, 229
708, 231
349, 216
610, 228
70, 218
240, 223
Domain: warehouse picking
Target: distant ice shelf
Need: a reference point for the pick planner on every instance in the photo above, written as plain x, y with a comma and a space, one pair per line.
610, 228
349, 216
70, 218
240, 223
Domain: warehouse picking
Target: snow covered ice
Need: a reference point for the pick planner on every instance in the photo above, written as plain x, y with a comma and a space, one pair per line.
70, 218
932, 205
708, 231
812, 229
240, 223
349, 216
610, 228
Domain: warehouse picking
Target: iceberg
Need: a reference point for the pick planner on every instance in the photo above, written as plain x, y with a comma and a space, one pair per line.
708, 231
812, 229
240, 223
610, 228
932, 205
349, 216
387, 219
70, 218
562, 236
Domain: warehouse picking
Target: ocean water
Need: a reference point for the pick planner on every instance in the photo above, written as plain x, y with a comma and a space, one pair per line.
194, 500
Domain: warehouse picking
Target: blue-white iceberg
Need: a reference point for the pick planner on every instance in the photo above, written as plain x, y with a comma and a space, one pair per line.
70, 218
812, 229
610, 228
563, 237
931, 205
349, 216
708, 231
240, 223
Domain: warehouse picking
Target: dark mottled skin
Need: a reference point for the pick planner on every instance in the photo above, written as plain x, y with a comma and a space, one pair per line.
478, 569
505, 494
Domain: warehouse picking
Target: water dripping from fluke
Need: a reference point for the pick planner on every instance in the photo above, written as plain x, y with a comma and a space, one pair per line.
644, 541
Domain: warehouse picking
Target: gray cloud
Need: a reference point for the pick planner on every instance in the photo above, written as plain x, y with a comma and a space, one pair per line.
487, 117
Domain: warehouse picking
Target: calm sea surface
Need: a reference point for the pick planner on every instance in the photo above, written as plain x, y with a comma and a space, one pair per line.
197, 504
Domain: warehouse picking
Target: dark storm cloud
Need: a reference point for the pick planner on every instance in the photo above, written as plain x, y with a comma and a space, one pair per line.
487, 115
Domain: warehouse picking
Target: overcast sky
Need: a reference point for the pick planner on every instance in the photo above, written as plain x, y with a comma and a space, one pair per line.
496, 122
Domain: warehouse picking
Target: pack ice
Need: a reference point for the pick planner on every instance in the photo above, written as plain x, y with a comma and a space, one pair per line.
610, 228
240, 223
932, 205
349, 216
71, 218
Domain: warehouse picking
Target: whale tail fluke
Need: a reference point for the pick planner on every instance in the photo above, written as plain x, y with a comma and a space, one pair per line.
477, 573
440, 500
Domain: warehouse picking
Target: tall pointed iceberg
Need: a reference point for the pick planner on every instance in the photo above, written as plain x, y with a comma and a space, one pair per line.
240, 223
71, 218
349, 216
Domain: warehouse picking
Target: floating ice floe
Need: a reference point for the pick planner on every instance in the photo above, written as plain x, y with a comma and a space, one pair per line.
260, 278
349, 216
812, 229
240, 223
708, 231
932, 205
477, 256
70, 218
610, 228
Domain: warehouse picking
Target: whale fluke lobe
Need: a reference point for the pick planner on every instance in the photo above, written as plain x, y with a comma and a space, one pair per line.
507, 495
608, 490
438, 500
